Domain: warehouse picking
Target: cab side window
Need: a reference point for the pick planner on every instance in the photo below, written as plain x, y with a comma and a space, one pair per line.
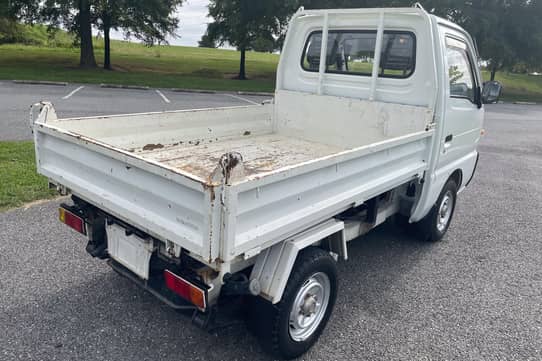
460, 71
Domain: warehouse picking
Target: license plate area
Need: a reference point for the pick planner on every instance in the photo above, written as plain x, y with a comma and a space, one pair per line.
128, 249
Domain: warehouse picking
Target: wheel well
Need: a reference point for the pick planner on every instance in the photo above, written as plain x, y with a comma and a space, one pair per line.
457, 176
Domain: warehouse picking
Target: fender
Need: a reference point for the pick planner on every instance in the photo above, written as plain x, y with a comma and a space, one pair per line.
434, 185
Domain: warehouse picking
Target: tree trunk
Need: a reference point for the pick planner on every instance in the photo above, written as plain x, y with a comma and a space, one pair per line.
87, 59
107, 41
242, 72
493, 72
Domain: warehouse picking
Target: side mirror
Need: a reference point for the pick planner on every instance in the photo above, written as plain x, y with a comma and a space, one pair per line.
491, 92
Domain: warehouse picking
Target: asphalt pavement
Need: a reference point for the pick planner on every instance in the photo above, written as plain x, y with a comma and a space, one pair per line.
477, 295
77, 100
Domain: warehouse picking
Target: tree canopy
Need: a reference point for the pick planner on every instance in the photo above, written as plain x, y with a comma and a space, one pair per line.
506, 31
148, 20
246, 24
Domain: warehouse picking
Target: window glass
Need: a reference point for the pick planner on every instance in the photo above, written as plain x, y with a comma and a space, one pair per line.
459, 70
352, 52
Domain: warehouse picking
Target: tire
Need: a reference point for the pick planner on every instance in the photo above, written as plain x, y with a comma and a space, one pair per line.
434, 225
314, 271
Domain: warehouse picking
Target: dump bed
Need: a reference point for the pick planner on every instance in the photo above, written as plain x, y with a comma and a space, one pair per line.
225, 181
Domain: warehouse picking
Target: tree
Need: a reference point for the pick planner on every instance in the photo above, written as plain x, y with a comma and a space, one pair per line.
12, 11
206, 42
147, 20
150, 21
241, 23
76, 16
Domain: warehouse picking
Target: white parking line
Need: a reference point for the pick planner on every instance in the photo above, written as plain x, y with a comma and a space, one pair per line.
73, 92
244, 99
163, 96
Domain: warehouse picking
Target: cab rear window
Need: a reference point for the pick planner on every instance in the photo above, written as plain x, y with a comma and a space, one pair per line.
352, 52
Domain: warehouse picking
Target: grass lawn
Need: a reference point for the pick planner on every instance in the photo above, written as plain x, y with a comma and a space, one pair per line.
136, 64
19, 181
519, 87
181, 67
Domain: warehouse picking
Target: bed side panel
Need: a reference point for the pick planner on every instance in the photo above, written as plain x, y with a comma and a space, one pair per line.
297, 198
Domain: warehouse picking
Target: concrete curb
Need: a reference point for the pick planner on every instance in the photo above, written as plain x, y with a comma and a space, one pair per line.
199, 91
525, 103
120, 86
263, 94
205, 91
40, 82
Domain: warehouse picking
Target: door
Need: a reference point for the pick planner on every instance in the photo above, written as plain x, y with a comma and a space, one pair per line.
463, 118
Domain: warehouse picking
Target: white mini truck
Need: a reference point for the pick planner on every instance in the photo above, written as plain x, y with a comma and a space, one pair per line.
377, 112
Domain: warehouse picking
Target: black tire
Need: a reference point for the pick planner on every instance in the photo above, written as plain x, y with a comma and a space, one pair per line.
271, 323
433, 227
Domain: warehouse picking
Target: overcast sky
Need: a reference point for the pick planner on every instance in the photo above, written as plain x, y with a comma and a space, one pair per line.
193, 23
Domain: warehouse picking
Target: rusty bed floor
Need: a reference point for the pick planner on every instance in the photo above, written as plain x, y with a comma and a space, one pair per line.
261, 153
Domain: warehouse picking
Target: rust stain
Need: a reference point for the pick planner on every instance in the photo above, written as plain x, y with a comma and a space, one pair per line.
153, 146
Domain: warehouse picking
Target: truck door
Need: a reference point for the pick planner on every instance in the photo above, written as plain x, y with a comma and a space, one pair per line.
463, 117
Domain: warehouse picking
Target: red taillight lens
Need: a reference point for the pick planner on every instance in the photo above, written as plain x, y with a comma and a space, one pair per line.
185, 289
72, 220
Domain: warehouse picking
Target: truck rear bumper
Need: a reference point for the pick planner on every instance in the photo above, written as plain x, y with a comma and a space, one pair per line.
154, 287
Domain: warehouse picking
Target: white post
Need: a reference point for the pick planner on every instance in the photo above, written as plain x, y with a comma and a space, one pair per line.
323, 54
378, 50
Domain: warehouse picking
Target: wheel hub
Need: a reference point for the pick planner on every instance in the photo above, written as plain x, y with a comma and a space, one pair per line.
309, 306
445, 211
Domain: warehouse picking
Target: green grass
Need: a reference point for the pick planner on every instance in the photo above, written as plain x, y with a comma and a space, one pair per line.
136, 64
519, 87
171, 66
20, 183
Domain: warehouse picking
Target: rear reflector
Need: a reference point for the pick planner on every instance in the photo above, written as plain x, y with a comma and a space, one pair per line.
72, 220
185, 289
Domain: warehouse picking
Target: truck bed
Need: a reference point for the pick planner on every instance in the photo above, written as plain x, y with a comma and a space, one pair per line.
299, 166
261, 154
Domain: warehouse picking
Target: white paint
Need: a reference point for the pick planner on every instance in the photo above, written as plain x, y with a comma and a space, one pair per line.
73, 93
164, 98
377, 54
243, 99
323, 55
273, 267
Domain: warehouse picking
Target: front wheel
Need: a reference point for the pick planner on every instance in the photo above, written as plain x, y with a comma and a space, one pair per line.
435, 224
290, 327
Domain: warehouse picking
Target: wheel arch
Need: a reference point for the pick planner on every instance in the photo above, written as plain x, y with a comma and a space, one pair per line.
459, 169
457, 177
274, 264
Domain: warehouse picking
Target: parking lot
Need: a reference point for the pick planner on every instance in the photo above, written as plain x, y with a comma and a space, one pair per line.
475, 296
76, 100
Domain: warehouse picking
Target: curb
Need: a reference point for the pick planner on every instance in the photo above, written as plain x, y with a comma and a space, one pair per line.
39, 82
263, 94
120, 86
200, 91
525, 103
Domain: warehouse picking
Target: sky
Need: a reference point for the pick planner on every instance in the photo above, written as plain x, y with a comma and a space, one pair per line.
193, 23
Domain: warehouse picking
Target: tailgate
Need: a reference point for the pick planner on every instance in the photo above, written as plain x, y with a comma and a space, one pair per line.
165, 204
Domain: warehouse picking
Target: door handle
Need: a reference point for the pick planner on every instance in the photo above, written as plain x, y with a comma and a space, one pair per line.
448, 142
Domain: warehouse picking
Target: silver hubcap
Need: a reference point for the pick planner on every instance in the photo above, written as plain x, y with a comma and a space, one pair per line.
309, 307
445, 211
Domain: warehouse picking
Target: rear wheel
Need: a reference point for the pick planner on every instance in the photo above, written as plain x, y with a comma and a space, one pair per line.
435, 224
290, 327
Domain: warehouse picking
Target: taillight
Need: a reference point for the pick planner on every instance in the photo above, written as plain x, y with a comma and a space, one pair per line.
185, 289
71, 220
